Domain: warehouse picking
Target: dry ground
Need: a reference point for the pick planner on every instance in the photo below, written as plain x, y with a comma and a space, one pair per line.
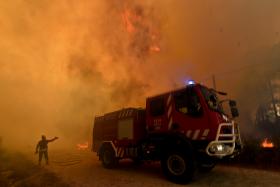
18, 171
82, 168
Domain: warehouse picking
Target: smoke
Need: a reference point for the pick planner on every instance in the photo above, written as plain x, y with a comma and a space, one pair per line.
257, 85
64, 62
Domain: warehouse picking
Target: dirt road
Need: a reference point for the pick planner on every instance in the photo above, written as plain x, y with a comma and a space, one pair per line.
83, 169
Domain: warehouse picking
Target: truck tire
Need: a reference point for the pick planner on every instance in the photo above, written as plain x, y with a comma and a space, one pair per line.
178, 166
107, 156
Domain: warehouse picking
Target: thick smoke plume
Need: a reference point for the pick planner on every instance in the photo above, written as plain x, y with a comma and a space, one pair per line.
66, 61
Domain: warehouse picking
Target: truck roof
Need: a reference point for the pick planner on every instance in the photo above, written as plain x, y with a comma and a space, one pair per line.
175, 90
124, 112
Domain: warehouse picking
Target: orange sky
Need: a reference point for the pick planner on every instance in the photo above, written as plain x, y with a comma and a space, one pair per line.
63, 62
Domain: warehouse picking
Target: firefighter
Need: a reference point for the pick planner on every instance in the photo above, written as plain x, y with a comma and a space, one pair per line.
42, 148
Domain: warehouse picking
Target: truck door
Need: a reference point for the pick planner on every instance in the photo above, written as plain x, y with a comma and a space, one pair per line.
190, 115
156, 114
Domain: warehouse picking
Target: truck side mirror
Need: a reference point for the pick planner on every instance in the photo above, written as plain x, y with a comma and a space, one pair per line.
233, 108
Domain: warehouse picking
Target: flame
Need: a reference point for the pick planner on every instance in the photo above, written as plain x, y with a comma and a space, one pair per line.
82, 146
135, 22
129, 20
267, 144
155, 48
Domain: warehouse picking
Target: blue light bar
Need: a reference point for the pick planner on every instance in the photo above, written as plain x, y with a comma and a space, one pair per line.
191, 82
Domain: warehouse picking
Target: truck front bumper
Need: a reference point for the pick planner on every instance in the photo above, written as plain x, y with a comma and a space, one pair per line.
226, 143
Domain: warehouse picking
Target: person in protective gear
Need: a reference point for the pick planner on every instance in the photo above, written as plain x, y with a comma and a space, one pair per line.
42, 148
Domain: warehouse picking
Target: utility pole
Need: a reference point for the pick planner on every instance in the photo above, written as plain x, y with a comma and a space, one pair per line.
214, 81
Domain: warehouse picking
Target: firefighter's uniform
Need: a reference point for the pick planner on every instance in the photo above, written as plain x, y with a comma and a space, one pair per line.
42, 148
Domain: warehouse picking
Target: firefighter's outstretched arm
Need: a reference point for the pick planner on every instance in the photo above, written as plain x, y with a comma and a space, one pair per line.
51, 140
37, 147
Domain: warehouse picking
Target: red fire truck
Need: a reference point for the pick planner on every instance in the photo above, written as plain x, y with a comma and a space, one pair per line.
184, 129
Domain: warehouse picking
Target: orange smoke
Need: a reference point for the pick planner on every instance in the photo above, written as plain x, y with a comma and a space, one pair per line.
64, 62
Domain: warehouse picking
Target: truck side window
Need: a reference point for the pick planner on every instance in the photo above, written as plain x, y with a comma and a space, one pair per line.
187, 102
157, 107
211, 99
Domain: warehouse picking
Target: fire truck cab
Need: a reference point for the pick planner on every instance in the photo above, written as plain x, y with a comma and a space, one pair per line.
184, 129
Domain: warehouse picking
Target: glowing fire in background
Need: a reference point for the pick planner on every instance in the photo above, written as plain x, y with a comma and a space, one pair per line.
82, 146
267, 144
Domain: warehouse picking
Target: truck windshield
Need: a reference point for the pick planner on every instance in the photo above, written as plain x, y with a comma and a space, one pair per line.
211, 99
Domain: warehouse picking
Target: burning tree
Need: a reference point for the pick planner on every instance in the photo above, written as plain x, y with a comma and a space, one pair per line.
268, 114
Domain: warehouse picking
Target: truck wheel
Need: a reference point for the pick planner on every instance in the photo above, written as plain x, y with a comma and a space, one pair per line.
107, 156
178, 166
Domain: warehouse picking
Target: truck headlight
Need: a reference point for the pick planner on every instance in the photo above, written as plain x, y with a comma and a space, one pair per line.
220, 147
217, 148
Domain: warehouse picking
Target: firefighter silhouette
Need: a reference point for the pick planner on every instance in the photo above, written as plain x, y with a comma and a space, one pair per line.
42, 148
